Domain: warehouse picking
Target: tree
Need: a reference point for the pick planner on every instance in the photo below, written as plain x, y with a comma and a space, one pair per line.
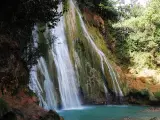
19, 13
18, 53
143, 40
104, 8
107, 10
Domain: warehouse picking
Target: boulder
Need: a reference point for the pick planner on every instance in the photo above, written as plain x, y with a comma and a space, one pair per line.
51, 115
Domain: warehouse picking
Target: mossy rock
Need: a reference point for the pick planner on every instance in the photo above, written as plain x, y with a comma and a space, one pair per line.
155, 118
139, 96
157, 95
152, 97
142, 93
51, 115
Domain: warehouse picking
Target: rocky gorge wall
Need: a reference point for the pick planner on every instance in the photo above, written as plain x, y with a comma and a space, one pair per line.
86, 60
136, 89
17, 102
87, 65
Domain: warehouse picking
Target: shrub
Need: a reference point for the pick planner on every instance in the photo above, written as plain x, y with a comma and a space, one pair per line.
3, 107
157, 95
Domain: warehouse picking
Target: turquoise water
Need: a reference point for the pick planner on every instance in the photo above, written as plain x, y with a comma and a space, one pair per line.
108, 113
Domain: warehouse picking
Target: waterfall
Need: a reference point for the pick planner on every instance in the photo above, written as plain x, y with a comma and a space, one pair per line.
34, 84
102, 56
49, 102
68, 86
48, 85
45, 92
36, 87
41, 75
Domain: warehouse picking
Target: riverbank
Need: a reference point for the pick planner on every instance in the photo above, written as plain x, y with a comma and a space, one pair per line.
24, 107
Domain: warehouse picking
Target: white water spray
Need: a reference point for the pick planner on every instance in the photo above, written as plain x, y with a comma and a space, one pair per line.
36, 87
46, 96
48, 85
66, 75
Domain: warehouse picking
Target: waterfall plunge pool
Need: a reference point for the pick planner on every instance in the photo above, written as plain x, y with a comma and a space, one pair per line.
109, 112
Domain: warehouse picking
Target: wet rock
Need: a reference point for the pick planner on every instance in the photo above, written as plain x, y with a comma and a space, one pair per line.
51, 115
24, 107
155, 118
152, 109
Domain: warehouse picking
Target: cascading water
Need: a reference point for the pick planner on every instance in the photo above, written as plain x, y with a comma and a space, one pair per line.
66, 75
36, 87
68, 86
47, 89
50, 101
48, 85
102, 56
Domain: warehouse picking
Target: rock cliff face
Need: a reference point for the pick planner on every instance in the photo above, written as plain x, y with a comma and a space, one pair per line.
13, 71
141, 89
94, 19
84, 57
24, 107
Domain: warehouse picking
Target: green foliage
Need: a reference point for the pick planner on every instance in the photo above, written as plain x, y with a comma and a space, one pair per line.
90, 77
141, 96
20, 13
144, 93
19, 53
157, 95
107, 10
65, 5
87, 3
121, 48
138, 37
103, 7
18, 19
29, 92
125, 88
136, 11
128, 11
